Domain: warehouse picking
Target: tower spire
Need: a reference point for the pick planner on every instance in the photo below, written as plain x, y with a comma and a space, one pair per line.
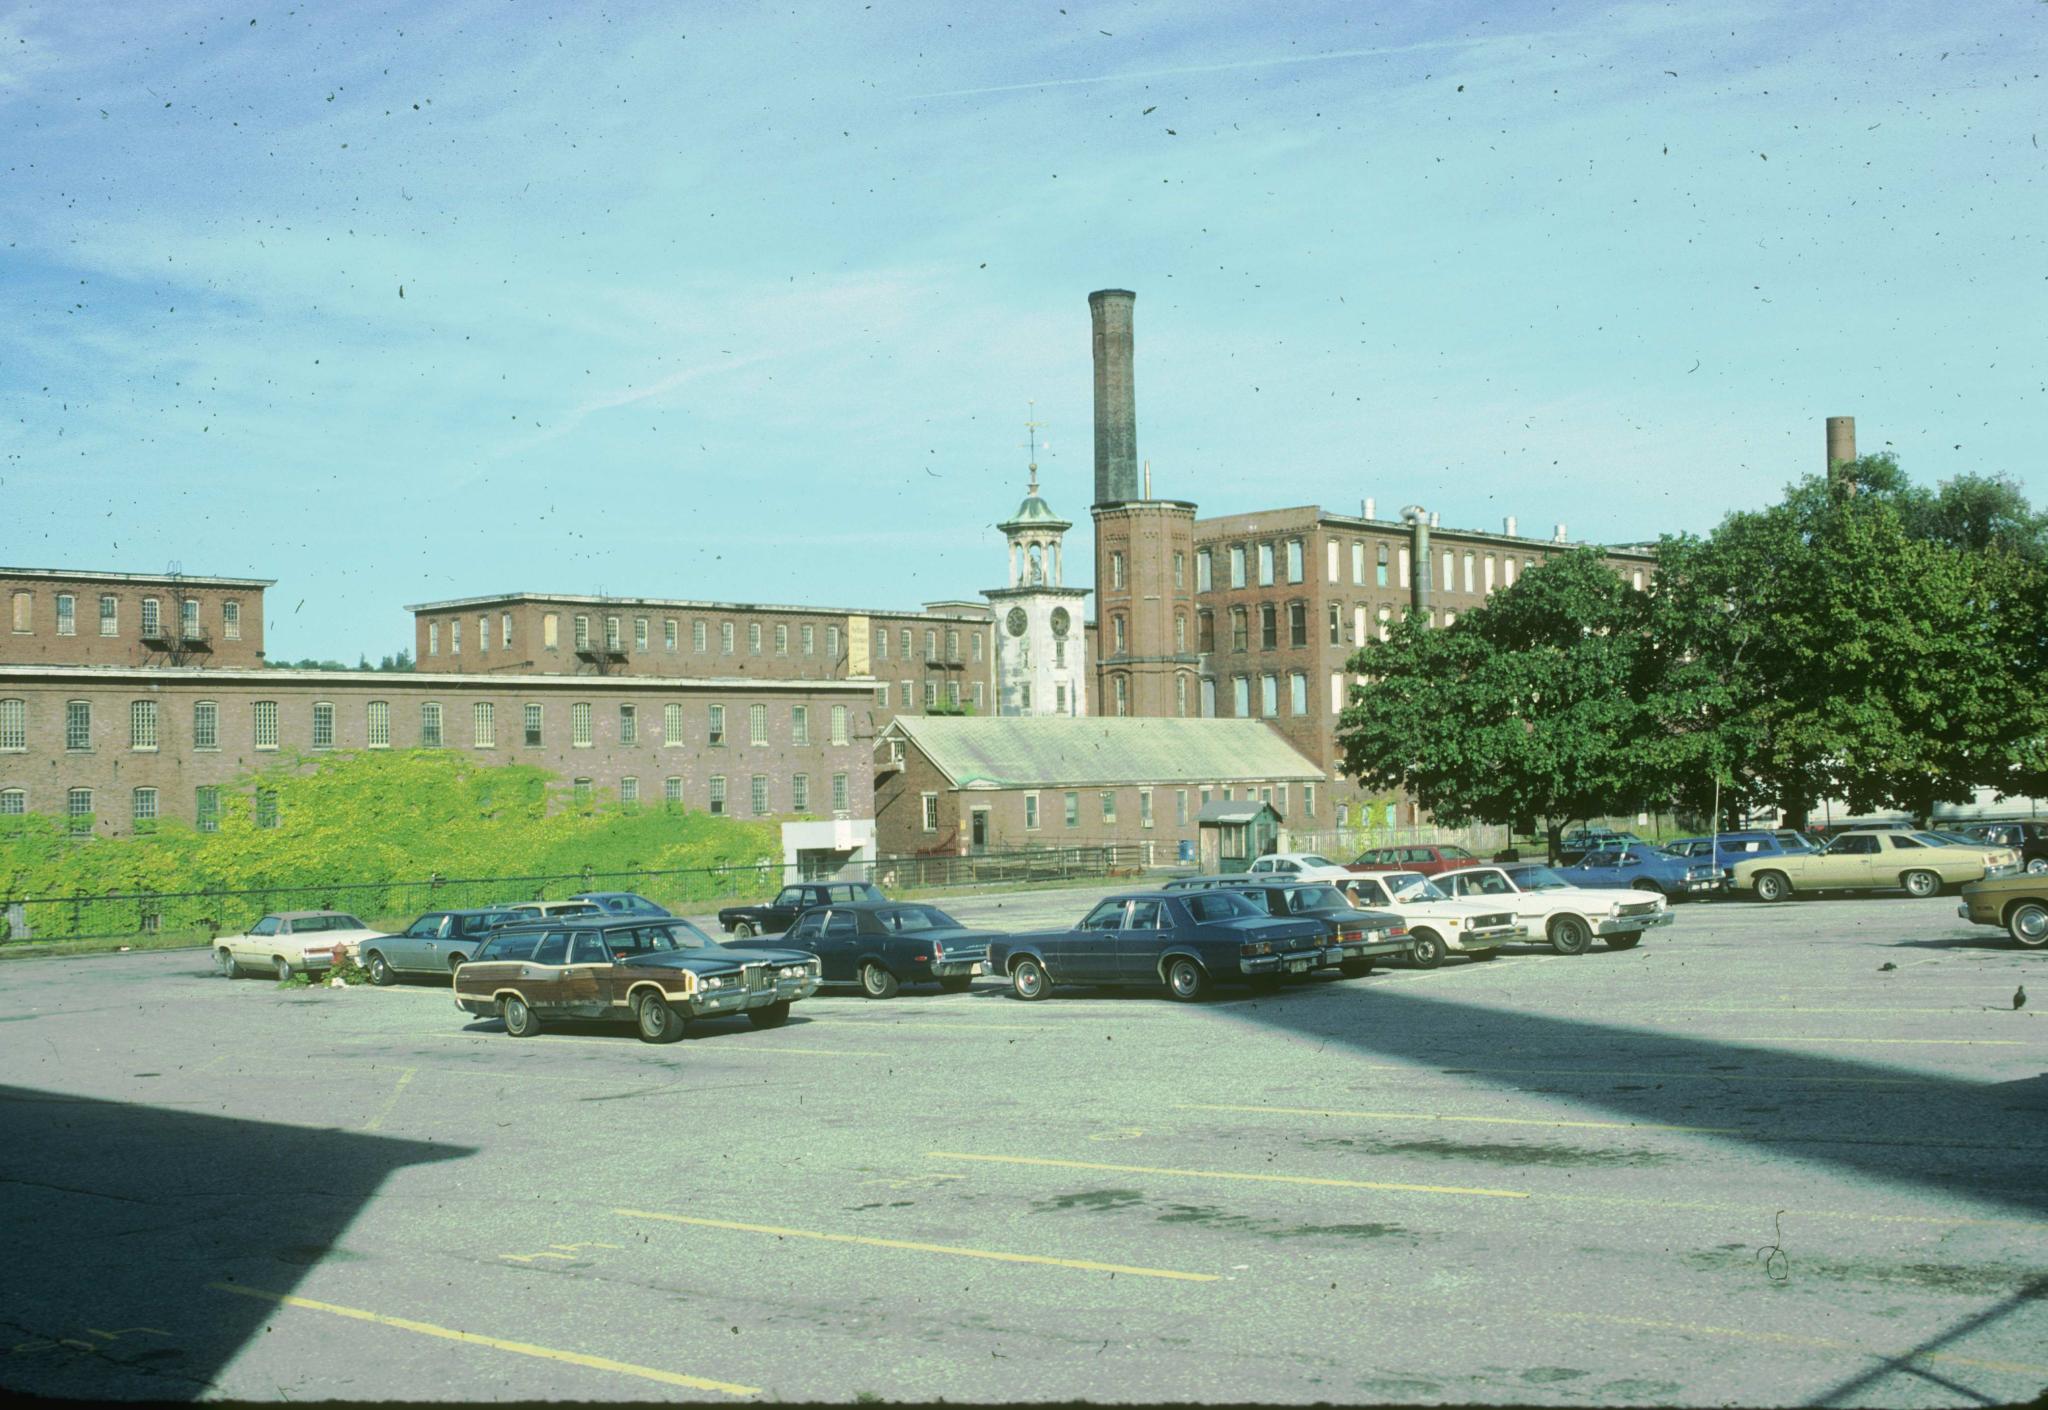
1031, 427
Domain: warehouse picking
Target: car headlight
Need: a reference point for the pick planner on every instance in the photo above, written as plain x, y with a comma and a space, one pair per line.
1256, 947
714, 982
794, 971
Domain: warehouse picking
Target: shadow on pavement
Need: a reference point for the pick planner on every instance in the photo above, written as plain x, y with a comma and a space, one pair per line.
116, 1217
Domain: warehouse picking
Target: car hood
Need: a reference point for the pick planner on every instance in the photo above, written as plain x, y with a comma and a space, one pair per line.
708, 960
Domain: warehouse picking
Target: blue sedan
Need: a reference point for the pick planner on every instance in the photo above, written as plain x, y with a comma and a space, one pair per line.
622, 903
1641, 867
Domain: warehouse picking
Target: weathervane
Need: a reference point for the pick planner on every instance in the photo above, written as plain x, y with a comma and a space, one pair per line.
1031, 427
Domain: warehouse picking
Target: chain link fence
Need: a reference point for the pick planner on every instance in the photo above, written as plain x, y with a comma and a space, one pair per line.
227, 909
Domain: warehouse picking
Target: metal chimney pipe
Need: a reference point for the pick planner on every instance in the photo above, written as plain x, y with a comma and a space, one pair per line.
1433, 519
1368, 509
1841, 440
1560, 534
1417, 519
1116, 404
1511, 526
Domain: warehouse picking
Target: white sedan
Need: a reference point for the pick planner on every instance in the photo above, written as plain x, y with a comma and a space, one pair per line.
1569, 916
1298, 866
292, 942
1437, 923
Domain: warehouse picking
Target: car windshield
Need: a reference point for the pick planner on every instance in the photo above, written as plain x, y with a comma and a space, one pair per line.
1310, 859
908, 918
1413, 886
1945, 839
1219, 905
1538, 879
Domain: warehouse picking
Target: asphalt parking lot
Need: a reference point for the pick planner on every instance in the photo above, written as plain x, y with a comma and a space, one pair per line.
1775, 1155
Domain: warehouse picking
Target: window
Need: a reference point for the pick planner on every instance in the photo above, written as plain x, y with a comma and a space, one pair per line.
1265, 565
430, 725
13, 726
1117, 623
839, 718
903, 695
782, 638
725, 638
800, 793
1308, 800
1237, 565
1297, 624
807, 639
1280, 800
581, 793
580, 725
629, 724
1450, 570
978, 703
263, 714
672, 793
839, 794
24, 611
716, 735
879, 638
483, 632
903, 641
78, 811
1180, 568
1180, 631
931, 645
1269, 695
206, 808
1024, 695
757, 725
1208, 697
952, 643
759, 795
1241, 696
152, 617
718, 795
698, 636
1487, 576
1294, 561
1109, 805
930, 811
142, 808
433, 638
581, 632
1357, 563
266, 808
1336, 692
1404, 568
974, 638
668, 634
952, 692
1380, 572
1059, 652
1297, 692
1123, 695
931, 692
377, 724
455, 637
67, 614
551, 631
1180, 806
323, 726
882, 695
484, 717
629, 794
531, 724
799, 724
1116, 569
754, 638
110, 616
672, 726
611, 634
505, 630
832, 642
1269, 626
1180, 693
1468, 573
1239, 635
1205, 630
1073, 809
1336, 625
1144, 807
1386, 617
1205, 570
1031, 812
639, 633
188, 618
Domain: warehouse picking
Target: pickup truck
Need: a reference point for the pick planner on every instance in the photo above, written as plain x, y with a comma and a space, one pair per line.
776, 916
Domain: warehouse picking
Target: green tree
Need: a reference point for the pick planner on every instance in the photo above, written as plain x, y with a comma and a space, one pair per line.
1524, 711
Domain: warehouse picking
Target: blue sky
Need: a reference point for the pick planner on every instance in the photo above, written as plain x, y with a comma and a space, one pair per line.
740, 302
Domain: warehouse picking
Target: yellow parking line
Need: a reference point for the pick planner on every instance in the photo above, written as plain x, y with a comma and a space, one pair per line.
2017, 1368
1477, 1120
518, 1348
952, 1249
1230, 1175
404, 1080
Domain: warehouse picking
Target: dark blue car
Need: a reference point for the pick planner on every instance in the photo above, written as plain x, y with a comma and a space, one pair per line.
622, 903
1641, 867
1185, 941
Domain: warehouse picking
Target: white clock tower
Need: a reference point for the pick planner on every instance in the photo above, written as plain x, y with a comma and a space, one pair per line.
1041, 647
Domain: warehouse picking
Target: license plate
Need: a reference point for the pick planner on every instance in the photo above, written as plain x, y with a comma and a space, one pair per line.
1297, 966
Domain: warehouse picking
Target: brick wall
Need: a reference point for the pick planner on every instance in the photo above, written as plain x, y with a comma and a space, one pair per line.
41, 643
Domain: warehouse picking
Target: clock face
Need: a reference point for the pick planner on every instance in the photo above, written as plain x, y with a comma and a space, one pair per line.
1060, 621
1017, 621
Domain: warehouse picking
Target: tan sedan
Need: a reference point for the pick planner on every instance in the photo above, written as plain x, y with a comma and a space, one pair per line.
1918, 863
2016, 904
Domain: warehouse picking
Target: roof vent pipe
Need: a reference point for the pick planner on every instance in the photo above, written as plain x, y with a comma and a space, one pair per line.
1368, 507
1433, 520
1560, 533
1511, 526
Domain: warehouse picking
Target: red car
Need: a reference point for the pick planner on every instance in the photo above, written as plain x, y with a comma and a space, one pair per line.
1429, 858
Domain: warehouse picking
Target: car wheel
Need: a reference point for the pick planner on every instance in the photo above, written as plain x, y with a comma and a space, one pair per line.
743, 931
769, 1015
876, 982
520, 1021
656, 1020
1772, 886
282, 967
380, 972
456, 962
1622, 942
1920, 883
1354, 969
1028, 980
957, 983
224, 964
1569, 935
2027, 923
1650, 886
1185, 980
1429, 950
2037, 866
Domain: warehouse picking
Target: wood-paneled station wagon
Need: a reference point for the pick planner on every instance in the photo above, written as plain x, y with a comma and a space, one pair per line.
659, 975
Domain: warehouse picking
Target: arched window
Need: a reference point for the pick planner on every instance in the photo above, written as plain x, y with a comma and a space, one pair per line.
1037, 565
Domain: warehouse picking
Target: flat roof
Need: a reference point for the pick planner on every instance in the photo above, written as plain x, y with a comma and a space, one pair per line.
1215, 523
695, 604
242, 675
156, 579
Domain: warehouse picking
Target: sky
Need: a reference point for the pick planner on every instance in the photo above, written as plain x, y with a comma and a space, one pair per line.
752, 303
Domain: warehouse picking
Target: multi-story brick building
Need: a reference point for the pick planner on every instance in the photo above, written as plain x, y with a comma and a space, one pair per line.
57, 616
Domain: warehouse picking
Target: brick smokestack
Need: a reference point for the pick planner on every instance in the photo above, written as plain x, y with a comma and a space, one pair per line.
1116, 404
1841, 440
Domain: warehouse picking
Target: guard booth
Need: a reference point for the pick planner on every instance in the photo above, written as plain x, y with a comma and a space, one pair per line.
1235, 833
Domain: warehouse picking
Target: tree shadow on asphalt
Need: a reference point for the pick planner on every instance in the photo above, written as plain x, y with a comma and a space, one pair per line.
117, 1217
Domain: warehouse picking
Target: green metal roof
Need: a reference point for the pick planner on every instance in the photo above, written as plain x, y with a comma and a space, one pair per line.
1034, 511
1059, 751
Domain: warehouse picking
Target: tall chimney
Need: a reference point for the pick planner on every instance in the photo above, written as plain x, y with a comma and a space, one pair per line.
1116, 403
1841, 440
1420, 569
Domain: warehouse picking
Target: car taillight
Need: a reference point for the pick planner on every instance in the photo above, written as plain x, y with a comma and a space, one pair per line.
1256, 947
938, 950
1397, 932
1351, 935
